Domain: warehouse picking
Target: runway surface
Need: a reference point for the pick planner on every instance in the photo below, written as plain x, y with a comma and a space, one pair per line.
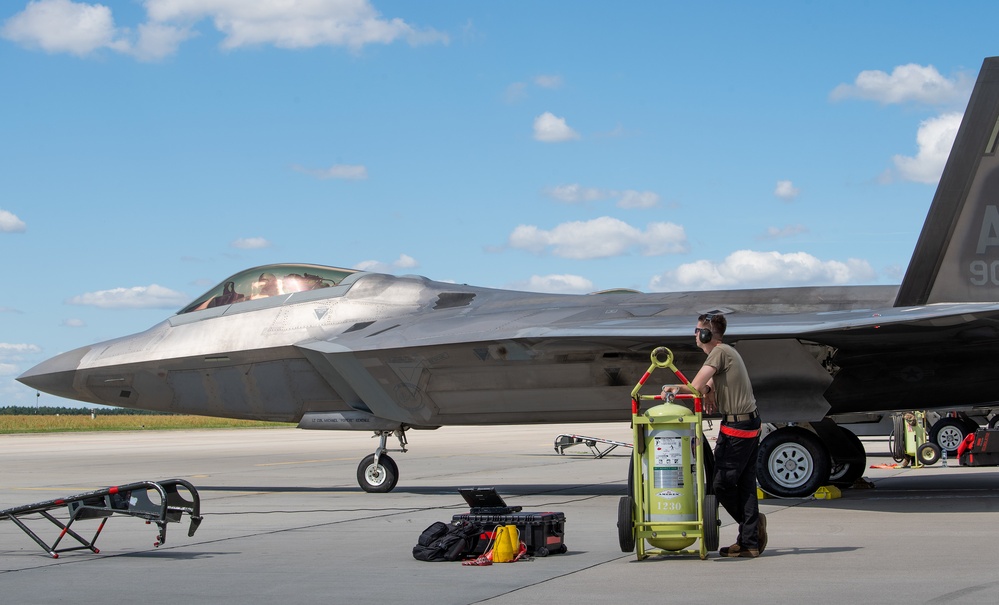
285, 522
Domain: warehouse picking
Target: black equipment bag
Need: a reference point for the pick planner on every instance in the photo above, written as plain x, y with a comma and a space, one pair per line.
447, 542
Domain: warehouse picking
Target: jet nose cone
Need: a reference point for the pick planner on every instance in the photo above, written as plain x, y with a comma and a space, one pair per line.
56, 376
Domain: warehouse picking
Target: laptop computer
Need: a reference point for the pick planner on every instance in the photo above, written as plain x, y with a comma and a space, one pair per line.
485, 501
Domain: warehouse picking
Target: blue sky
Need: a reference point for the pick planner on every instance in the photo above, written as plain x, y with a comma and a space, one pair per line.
151, 148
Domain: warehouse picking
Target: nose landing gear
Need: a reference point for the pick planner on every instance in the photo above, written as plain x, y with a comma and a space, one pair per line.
378, 472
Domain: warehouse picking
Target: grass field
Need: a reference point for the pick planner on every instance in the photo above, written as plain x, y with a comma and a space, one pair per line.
75, 423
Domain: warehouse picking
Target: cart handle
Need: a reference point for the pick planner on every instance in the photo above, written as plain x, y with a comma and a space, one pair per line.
667, 363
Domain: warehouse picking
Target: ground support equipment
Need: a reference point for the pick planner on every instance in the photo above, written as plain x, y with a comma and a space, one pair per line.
909, 441
984, 450
132, 499
668, 507
563, 442
543, 533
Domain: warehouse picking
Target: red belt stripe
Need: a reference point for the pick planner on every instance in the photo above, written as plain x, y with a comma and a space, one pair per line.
731, 432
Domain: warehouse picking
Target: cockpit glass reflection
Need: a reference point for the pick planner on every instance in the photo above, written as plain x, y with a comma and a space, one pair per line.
272, 280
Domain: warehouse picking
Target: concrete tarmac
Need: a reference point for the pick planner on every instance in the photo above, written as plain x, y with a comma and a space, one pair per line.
285, 522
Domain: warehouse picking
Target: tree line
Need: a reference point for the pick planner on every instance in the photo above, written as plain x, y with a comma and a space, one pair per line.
24, 410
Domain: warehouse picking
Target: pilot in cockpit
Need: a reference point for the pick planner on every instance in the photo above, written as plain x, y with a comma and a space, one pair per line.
266, 286
294, 282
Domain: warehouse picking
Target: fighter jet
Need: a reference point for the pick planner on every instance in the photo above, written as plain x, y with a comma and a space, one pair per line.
339, 349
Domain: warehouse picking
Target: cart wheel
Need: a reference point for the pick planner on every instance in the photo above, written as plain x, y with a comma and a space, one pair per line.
711, 530
928, 453
626, 524
562, 550
541, 552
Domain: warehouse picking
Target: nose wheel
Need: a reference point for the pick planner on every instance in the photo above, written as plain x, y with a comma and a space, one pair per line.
378, 472
377, 475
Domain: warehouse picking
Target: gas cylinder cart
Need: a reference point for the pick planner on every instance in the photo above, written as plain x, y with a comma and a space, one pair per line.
909, 441
668, 507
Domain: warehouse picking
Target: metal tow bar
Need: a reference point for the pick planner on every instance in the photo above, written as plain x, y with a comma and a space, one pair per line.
132, 499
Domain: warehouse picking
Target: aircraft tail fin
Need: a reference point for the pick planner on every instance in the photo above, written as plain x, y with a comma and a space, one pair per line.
956, 258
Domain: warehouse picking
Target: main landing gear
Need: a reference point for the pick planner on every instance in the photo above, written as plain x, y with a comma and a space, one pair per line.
378, 472
794, 461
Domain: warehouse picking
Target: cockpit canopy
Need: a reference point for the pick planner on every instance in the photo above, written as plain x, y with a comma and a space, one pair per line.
269, 280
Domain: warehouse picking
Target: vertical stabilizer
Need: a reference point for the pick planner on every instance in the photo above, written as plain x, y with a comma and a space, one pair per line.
957, 255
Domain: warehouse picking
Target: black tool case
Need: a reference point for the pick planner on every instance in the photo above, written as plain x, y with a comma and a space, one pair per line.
542, 533
984, 451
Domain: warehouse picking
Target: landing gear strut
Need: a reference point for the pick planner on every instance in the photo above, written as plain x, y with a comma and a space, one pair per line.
378, 472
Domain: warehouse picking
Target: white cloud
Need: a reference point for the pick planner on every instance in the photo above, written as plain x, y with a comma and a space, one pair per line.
905, 83
549, 128
403, 262
139, 297
752, 269
9, 223
556, 284
251, 243
355, 172
782, 232
638, 199
548, 81
63, 26
576, 193
294, 23
8, 349
406, 262
12, 353
600, 238
157, 41
786, 190
73, 322
515, 92
628, 198
935, 139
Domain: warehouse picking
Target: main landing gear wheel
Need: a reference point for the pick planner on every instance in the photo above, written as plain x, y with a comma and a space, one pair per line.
793, 463
377, 478
948, 433
844, 472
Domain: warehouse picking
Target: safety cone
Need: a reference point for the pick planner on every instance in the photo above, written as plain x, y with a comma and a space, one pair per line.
504, 547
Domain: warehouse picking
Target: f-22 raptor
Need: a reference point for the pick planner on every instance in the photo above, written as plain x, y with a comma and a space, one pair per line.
340, 349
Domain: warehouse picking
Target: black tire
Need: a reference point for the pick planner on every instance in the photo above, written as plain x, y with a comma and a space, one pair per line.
948, 433
896, 441
626, 524
631, 477
709, 467
928, 453
712, 531
377, 479
845, 472
542, 551
994, 421
793, 463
